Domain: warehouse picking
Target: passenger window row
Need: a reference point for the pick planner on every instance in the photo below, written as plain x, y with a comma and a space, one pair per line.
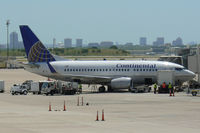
122, 70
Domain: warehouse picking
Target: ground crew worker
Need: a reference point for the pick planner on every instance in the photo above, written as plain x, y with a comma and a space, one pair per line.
155, 87
170, 88
163, 85
80, 88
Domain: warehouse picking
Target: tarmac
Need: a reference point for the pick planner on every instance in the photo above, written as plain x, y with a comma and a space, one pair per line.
124, 112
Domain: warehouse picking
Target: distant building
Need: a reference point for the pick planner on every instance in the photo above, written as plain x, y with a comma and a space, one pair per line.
160, 41
177, 42
94, 44
68, 42
143, 41
20, 45
79, 42
13, 40
2, 46
128, 44
106, 44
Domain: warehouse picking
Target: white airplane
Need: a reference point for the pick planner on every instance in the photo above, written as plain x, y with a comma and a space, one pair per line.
114, 74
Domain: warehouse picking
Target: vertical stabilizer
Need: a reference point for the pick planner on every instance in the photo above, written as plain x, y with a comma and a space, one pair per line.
35, 50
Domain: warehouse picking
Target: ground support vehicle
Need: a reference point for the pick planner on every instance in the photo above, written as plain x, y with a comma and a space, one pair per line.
140, 89
70, 88
49, 87
44, 87
194, 92
19, 89
166, 76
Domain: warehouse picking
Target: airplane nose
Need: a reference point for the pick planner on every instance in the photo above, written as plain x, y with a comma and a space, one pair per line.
191, 74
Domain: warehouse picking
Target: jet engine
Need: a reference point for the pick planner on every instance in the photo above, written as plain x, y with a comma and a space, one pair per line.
121, 83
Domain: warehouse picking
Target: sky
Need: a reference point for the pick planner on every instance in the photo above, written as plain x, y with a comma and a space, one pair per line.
119, 21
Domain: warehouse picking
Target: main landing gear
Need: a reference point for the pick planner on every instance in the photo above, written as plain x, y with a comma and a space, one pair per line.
110, 88
102, 89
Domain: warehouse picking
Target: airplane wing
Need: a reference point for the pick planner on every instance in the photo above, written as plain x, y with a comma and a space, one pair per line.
88, 78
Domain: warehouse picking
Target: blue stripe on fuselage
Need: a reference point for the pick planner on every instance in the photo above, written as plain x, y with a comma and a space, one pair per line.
51, 68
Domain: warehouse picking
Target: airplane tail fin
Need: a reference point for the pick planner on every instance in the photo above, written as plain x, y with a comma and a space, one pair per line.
35, 50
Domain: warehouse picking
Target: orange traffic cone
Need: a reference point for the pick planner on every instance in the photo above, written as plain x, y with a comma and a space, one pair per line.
103, 115
64, 109
97, 118
49, 106
78, 102
82, 101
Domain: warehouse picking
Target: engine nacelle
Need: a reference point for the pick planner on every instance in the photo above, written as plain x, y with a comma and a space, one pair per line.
121, 83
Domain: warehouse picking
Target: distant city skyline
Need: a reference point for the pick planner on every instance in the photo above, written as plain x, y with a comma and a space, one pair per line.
110, 20
14, 43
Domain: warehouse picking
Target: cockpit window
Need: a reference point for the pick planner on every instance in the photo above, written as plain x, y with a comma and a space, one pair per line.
178, 69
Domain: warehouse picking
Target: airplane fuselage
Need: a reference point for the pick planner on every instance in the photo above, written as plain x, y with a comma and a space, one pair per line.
102, 72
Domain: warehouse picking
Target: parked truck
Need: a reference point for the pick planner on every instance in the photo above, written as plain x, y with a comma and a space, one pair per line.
19, 89
166, 76
44, 87
1, 86
69, 88
49, 87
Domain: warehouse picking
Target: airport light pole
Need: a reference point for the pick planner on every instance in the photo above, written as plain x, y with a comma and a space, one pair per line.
7, 24
198, 74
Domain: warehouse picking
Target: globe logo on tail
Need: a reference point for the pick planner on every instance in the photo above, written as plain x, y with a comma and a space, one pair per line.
38, 53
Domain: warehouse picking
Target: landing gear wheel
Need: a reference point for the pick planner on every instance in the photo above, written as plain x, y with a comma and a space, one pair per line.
102, 89
110, 89
25, 92
194, 93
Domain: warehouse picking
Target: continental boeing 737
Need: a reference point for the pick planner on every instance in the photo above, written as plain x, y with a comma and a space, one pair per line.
114, 74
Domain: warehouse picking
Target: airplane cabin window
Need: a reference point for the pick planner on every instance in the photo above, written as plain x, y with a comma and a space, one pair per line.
64, 69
